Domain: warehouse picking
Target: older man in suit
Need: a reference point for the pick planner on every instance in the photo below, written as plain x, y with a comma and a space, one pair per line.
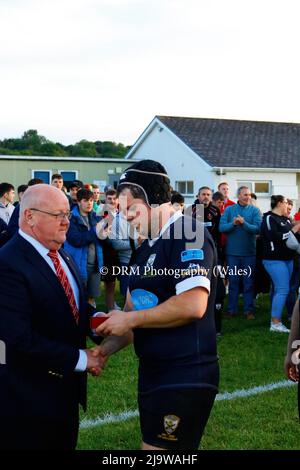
43, 324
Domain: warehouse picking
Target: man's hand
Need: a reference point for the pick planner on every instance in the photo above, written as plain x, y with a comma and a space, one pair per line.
291, 370
103, 229
118, 324
296, 227
96, 360
238, 220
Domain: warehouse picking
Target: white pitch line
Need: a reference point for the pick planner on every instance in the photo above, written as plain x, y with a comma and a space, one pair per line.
108, 418
243, 393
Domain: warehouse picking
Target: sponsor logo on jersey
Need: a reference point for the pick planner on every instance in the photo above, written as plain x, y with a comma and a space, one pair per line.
189, 255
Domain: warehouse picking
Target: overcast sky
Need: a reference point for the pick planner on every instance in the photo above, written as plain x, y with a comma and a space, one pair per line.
102, 69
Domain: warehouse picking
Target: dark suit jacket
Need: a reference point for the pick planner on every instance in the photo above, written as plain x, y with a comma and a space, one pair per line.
3, 233
41, 336
13, 224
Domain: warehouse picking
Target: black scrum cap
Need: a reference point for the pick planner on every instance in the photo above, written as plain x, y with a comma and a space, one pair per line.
151, 177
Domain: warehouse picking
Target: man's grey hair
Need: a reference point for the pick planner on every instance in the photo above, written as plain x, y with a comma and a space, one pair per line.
241, 188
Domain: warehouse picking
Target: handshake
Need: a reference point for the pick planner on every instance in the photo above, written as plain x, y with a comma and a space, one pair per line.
116, 328
96, 357
96, 360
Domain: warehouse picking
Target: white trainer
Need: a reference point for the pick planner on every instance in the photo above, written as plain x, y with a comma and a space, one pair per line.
279, 327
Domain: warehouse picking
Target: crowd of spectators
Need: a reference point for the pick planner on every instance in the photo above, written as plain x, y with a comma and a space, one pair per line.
256, 252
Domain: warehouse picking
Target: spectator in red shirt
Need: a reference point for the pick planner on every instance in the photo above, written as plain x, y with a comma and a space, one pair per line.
224, 189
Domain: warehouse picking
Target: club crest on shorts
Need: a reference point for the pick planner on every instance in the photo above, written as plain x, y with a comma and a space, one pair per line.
171, 423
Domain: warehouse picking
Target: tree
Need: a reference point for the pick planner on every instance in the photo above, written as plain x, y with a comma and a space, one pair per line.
31, 143
14, 144
111, 149
50, 148
84, 148
33, 139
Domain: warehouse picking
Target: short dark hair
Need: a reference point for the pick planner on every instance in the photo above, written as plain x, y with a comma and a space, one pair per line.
22, 188
204, 187
34, 181
221, 184
275, 199
77, 183
111, 192
177, 197
56, 176
218, 196
84, 193
136, 192
5, 188
74, 185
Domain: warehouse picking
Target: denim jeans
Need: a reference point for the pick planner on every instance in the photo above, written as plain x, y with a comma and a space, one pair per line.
280, 272
241, 262
291, 298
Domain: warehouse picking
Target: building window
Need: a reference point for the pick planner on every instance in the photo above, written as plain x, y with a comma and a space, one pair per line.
69, 176
260, 188
44, 175
185, 187
249, 185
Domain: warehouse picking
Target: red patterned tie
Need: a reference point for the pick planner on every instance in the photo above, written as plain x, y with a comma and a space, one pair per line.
63, 278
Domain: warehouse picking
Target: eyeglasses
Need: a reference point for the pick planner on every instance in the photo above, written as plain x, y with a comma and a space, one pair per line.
59, 216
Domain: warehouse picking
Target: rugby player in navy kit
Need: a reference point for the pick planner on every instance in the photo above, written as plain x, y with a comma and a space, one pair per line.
169, 314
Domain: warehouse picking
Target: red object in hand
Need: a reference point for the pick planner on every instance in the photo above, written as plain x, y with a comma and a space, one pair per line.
96, 321
297, 216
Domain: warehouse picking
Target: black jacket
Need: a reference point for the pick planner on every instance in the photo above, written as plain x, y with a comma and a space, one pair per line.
274, 233
3, 233
212, 217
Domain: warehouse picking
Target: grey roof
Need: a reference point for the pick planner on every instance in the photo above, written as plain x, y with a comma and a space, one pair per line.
232, 143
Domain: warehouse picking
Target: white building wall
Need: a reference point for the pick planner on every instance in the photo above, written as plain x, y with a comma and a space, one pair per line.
282, 183
180, 162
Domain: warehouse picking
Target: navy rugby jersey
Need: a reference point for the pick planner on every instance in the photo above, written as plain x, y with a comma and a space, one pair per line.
185, 356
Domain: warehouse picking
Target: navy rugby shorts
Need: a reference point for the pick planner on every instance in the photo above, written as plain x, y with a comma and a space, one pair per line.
175, 418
